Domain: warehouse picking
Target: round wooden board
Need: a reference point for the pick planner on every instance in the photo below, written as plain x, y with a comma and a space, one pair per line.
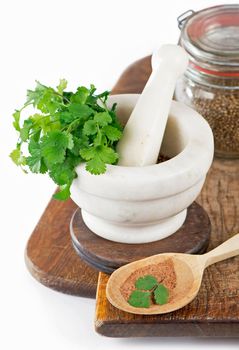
107, 256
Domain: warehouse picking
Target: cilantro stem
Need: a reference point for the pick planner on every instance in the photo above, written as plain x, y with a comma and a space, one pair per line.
54, 91
103, 103
71, 125
34, 132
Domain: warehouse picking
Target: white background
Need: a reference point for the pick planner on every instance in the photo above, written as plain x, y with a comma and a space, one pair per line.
84, 42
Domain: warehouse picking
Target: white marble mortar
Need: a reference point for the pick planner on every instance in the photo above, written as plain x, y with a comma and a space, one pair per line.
145, 204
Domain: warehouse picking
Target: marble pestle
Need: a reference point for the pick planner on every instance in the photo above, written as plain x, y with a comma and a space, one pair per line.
143, 133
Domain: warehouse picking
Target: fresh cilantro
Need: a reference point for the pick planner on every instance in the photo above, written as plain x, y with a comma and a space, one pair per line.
25, 130
53, 147
112, 133
35, 161
17, 157
107, 154
81, 95
147, 282
63, 193
16, 116
96, 166
64, 173
35, 96
90, 128
103, 118
66, 129
161, 294
80, 111
139, 298
148, 289
62, 86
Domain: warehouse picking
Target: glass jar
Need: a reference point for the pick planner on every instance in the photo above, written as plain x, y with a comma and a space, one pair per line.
211, 83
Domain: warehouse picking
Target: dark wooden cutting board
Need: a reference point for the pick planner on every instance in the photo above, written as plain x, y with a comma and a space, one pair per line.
215, 312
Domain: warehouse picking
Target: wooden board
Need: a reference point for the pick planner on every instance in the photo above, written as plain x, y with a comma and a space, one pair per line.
50, 257
107, 256
215, 311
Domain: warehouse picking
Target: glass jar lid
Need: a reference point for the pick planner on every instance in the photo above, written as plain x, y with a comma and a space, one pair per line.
211, 37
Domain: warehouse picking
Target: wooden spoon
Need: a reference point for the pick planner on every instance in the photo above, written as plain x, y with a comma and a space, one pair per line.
188, 269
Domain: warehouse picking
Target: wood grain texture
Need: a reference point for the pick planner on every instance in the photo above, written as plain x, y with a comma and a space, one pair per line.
215, 311
50, 257
180, 273
134, 78
107, 256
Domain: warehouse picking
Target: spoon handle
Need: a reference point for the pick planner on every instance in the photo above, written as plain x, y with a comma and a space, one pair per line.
224, 251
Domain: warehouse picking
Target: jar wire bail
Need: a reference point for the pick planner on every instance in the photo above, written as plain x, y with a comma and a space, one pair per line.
184, 17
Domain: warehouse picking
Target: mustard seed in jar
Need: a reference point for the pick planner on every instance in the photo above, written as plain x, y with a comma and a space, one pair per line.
211, 83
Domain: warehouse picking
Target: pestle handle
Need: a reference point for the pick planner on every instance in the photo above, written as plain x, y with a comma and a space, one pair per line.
143, 133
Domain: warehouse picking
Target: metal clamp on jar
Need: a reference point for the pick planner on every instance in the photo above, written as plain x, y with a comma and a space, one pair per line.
211, 82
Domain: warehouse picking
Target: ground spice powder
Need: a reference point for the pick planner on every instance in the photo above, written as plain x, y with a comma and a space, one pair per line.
164, 273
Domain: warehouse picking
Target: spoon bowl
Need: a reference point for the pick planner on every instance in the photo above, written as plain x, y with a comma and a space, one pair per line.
188, 270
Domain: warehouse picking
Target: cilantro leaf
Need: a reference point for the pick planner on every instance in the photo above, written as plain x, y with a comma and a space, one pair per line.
67, 117
103, 118
112, 133
82, 111
88, 153
139, 298
90, 128
62, 86
17, 157
35, 96
53, 147
99, 155
70, 141
146, 283
107, 154
81, 95
161, 294
96, 166
35, 161
44, 122
49, 102
63, 193
80, 142
46, 99
25, 130
64, 173
16, 115
99, 140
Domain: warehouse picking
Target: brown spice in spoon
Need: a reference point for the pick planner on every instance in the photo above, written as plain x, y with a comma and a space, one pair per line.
164, 273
